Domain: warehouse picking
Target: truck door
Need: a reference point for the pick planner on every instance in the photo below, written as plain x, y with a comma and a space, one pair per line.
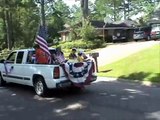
8, 67
15, 68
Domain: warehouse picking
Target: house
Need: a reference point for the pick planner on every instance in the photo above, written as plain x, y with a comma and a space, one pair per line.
105, 31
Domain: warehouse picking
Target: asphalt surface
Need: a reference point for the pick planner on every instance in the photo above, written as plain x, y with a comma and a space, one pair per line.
117, 51
103, 100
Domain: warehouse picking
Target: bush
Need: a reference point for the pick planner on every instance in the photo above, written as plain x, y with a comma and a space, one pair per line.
82, 44
87, 32
72, 35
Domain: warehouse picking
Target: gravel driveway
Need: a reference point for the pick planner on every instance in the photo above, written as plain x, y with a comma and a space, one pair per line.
118, 51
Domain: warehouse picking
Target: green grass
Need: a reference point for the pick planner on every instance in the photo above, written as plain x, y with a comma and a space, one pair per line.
144, 66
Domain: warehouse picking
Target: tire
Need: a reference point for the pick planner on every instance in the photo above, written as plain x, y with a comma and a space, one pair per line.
147, 38
2, 82
40, 87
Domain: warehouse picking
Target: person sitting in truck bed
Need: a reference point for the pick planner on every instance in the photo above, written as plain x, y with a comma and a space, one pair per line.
82, 56
59, 56
73, 55
41, 56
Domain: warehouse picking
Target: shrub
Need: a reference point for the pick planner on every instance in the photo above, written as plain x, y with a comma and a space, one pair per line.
87, 32
81, 44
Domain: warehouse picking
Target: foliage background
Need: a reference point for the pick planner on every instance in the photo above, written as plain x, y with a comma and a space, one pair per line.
19, 19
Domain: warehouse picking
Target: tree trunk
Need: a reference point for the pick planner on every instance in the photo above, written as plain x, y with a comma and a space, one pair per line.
84, 8
11, 28
7, 17
4, 29
114, 12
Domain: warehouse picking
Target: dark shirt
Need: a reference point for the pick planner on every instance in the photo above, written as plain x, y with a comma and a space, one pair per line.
72, 56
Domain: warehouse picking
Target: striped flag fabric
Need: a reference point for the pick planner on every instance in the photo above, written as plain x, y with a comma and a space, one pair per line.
41, 41
79, 73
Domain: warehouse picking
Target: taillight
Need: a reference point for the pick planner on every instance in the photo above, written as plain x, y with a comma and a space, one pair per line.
56, 73
153, 33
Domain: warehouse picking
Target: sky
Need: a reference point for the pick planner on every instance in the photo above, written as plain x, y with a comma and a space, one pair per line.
71, 2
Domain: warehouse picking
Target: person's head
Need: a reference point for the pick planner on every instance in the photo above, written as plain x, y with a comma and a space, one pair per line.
79, 53
74, 50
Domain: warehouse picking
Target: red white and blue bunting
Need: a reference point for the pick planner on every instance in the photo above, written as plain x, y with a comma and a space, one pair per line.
79, 73
7, 71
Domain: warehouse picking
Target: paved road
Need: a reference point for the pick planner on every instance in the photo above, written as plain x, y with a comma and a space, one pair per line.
103, 100
118, 51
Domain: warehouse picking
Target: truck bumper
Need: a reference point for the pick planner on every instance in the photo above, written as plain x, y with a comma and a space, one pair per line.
68, 83
64, 84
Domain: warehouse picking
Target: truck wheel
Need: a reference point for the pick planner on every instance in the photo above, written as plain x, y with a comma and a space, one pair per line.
40, 87
2, 82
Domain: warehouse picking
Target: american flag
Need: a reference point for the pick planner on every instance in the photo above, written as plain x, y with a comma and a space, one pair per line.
41, 41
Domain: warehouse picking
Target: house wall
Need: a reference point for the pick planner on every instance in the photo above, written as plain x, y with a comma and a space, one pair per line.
64, 36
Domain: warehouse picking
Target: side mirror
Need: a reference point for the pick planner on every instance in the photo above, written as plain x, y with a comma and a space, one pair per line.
2, 60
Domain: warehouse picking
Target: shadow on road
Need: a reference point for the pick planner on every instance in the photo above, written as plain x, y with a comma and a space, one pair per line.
141, 76
29, 91
111, 100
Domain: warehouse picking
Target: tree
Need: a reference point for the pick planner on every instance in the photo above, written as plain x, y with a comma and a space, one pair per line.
118, 9
109, 8
57, 14
76, 15
20, 19
145, 7
87, 31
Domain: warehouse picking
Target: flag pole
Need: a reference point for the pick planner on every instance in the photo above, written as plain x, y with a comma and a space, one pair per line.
43, 23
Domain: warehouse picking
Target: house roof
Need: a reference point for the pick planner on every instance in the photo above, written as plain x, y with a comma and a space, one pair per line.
127, 22
64, 31
101, 24
154, 22
97, 24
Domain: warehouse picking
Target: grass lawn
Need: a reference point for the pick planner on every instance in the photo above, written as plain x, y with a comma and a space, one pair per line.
144, 66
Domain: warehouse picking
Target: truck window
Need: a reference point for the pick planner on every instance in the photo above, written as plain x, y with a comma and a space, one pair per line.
19, 57
11, 57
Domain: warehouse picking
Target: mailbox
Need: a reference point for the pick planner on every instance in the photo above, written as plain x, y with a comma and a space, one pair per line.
94, 56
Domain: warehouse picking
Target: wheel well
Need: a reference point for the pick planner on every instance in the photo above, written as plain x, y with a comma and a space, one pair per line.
1, 74
36, 76
1, 77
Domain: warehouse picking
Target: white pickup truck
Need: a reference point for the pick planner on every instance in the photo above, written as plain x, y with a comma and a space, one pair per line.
18, 69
